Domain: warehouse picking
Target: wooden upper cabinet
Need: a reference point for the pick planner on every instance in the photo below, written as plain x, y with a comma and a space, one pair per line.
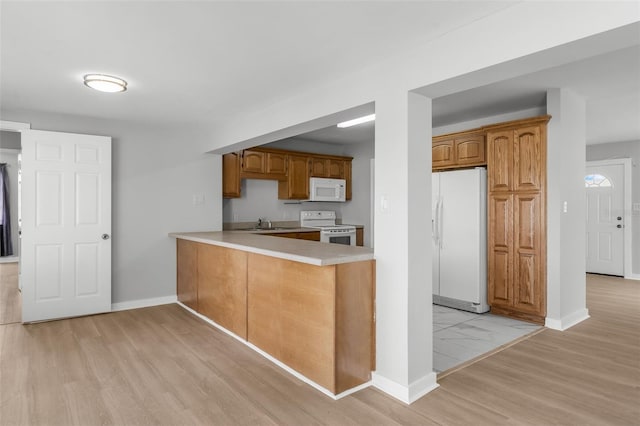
347, 176
456, 151
327, 167
469, 150
231, 175
263, 165
500, 146
335, 168
442, 154
517, 159
253, 161
296, 185
276, 163
318, 167
292, 170
528, 159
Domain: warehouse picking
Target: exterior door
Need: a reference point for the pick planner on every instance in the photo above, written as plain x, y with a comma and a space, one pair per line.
605, 219
66, 225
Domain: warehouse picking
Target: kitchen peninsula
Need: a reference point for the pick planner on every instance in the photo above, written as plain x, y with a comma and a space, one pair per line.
305, 304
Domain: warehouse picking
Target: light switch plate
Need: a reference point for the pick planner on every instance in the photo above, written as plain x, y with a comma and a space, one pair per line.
198, 199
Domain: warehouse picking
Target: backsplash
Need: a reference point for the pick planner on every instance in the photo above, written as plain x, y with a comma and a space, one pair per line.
260, 200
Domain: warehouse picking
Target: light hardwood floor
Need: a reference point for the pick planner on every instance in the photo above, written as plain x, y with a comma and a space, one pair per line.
161, 365
10, 304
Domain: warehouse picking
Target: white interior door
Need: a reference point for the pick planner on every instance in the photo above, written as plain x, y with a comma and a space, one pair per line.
605, 219
66, 225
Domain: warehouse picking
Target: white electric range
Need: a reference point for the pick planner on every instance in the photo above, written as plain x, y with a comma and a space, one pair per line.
325, 220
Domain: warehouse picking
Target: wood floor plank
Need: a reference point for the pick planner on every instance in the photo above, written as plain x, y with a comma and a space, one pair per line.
10, 301
164, 366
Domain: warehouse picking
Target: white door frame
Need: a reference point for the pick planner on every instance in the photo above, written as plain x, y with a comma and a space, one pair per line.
626, 234
14, 126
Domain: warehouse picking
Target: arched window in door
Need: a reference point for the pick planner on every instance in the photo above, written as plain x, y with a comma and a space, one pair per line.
596, 181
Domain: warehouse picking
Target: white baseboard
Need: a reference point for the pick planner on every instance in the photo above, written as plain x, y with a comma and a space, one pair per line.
567, 321
633, 277
143, 303
406, 394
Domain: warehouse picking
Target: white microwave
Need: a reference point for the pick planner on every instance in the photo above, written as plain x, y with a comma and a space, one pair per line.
323, 189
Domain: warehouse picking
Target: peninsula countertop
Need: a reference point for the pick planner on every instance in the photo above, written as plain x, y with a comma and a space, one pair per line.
310, 252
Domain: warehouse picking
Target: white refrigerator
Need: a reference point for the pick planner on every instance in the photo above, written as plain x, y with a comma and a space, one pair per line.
459, 230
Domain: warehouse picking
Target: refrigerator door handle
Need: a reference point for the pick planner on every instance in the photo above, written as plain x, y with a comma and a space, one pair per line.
440, 228
435, 222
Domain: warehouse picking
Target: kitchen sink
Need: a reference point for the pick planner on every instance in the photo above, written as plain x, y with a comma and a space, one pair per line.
274, 228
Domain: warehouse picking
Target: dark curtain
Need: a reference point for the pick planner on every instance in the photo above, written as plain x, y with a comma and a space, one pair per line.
6, 248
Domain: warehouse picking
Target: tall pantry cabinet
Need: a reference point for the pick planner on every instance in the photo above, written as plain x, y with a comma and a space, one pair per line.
516, 172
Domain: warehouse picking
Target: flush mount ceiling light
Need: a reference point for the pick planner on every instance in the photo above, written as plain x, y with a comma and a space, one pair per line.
105, 83
355, 121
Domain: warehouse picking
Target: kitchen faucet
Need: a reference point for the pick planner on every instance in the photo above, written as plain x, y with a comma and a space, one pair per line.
261, 222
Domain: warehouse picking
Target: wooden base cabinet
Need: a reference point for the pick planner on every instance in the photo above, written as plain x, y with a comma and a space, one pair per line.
222, 290
318, 320
187, 268
211, 280
517, 219
517, 285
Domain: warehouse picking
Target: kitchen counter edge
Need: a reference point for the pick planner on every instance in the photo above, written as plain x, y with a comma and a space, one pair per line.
310, 252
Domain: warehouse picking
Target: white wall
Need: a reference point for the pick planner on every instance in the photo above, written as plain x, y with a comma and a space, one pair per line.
260, 200
566, 240
631, 150
156, 171
358, 210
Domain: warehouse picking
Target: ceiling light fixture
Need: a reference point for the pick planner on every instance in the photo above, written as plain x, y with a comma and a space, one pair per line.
105, 83
355, 121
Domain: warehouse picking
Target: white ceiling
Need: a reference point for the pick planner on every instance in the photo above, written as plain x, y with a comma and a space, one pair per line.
202, 63
609, 83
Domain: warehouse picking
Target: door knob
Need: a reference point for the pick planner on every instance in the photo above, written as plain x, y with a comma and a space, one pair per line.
619, 217
106, 236
618, 226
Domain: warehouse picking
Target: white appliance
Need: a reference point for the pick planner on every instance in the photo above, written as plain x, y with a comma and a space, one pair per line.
329, 231
323, 189
459, 230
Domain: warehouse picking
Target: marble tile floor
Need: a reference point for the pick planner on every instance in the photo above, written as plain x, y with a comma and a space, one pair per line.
460, 336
